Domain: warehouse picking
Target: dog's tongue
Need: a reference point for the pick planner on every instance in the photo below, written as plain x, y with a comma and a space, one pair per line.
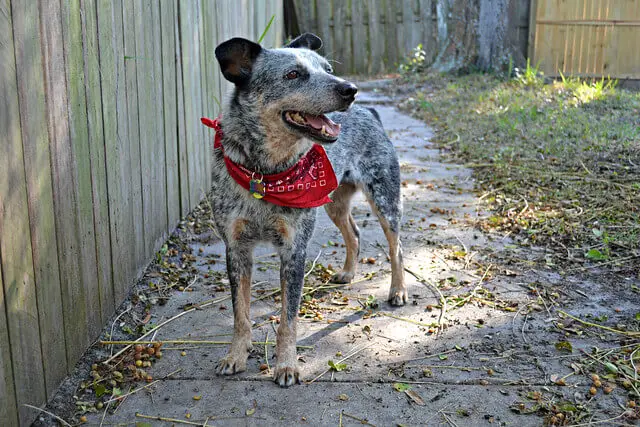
317, 122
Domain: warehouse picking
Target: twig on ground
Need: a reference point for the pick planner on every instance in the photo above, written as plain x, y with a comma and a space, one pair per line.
195, 279
360, 420
113, 324
513, 321
48, 413
606, 328
443, 300
313, 265
266, 352
143, 387
608, 420
191, 342
453, 350
404, 319
104, 414
171, 319
353, 353
170, 420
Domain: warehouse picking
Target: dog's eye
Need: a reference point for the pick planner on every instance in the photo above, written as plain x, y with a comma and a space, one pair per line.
293, 74
329, 70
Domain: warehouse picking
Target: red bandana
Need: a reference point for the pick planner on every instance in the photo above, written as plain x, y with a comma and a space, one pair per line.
307, 184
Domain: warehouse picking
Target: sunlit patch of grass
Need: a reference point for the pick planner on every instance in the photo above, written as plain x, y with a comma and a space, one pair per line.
557, 160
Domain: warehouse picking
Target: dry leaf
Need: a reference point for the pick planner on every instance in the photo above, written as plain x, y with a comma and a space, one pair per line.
415, 397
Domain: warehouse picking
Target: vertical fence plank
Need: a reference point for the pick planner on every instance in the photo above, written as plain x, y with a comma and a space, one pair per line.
428, 38
324, 12
117, 149
35, 142
341, 37
15, 242
8, 408
390, 34
64, 185
203, 146
83, 296
183, 167
168, 11
359, 43
160, 229
97, 159
142, 16
131, 61
376, 36
189, 28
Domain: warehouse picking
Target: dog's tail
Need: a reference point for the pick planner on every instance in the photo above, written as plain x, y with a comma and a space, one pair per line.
375, 114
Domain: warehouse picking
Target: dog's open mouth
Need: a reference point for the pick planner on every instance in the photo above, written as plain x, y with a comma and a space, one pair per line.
319, 127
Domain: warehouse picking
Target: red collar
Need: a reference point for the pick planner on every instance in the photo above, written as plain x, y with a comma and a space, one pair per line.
307, 184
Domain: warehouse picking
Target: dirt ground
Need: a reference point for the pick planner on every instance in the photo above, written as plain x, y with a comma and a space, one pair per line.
490, 335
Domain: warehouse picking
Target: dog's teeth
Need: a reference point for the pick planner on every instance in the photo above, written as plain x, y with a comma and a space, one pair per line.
324, 131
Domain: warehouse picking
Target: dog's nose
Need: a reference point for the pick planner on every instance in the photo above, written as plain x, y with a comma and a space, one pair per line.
347, 90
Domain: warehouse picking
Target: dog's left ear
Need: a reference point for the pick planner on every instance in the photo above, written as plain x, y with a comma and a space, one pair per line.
306, 40
236, 57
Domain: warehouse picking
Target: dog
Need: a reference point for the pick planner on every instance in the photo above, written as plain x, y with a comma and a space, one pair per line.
288, 141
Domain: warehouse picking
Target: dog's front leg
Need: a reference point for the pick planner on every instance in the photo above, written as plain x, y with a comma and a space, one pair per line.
292, 259
239, 267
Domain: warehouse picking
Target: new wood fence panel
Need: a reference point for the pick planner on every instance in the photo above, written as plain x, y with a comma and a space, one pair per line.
35, 142
586, 37
82, 296
15, 242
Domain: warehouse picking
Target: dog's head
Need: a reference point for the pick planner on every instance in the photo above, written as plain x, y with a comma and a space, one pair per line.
292, 88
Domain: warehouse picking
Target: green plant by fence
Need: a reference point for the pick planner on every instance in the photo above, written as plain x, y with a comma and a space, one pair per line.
101, 154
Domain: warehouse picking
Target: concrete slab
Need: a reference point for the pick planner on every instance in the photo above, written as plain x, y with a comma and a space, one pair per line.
490, 356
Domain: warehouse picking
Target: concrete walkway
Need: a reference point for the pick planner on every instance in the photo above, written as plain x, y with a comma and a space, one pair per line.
397, 370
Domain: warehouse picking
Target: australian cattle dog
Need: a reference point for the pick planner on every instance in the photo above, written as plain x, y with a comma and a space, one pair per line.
288, 141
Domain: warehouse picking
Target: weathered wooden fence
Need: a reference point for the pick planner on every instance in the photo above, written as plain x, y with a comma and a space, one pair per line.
101, 153
586, 38
375, 36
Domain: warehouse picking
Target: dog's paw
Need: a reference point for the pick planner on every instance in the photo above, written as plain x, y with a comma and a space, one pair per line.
342, 277
398, 297
285, 375
231, 364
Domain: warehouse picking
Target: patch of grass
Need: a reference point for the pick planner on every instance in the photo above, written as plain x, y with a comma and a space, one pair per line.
557, 164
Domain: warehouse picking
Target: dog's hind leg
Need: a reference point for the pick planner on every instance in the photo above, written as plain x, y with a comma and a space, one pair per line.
340, 213
239, 266
385, 200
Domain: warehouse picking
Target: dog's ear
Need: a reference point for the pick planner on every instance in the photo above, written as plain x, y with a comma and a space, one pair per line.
306, 40
236, 57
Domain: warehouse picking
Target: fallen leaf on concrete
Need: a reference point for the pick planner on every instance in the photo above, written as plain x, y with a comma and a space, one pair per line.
415, 397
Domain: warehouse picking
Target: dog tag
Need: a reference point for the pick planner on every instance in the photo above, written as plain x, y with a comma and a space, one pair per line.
256, 188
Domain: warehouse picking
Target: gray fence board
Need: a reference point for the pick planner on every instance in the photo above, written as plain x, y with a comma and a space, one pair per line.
169, 101
81, 316
35, 142
8, 408
97, 158
15, 244
103, 153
